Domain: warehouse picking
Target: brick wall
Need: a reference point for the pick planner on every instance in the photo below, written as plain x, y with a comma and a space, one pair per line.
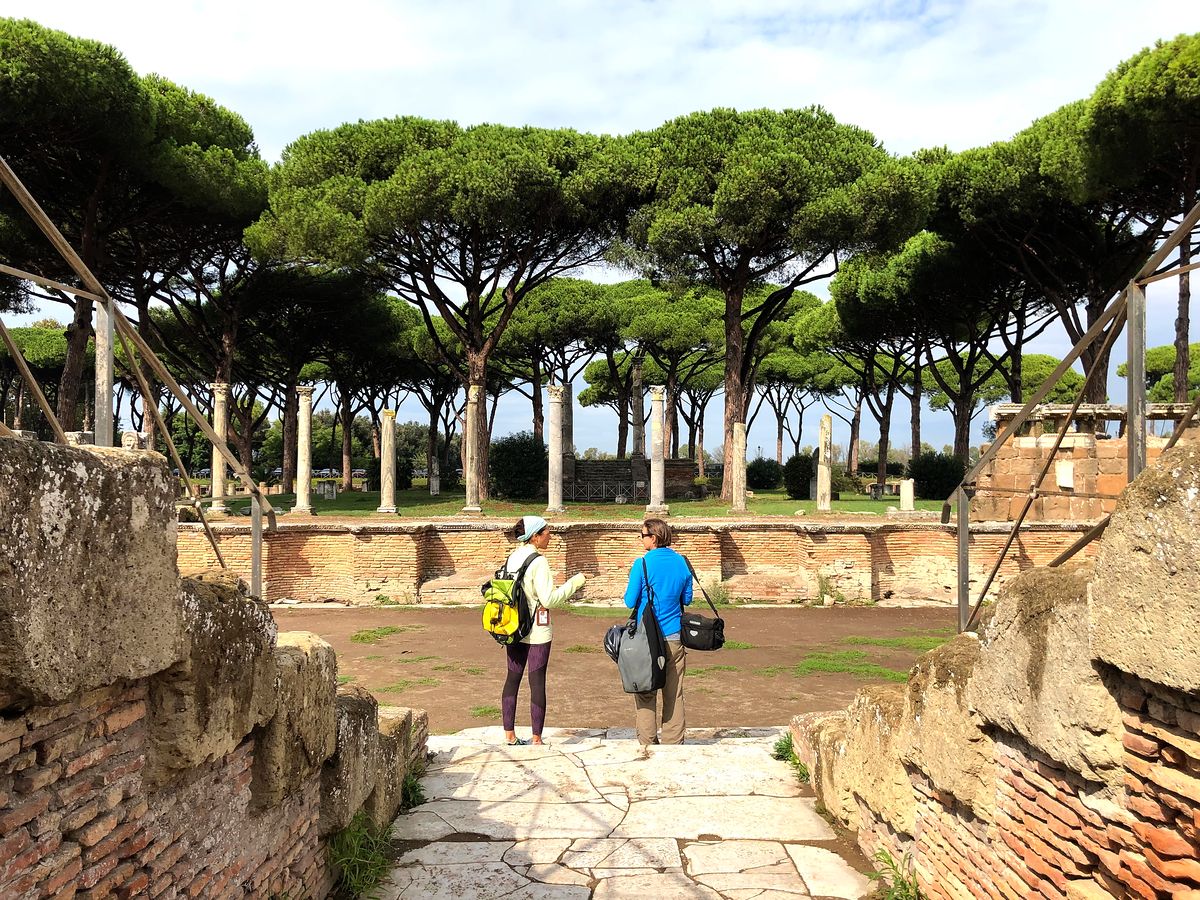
78, 820
1082, 466
879, 561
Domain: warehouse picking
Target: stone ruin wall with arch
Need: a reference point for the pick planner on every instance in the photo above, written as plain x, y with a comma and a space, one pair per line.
1057, 752
158, 738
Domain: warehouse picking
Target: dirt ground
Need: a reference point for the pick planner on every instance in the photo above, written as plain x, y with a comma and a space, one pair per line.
442, 661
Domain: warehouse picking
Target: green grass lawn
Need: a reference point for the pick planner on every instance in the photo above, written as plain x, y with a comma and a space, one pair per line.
416, 503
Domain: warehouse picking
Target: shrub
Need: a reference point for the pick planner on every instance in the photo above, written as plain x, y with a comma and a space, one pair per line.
869, 468
404, 474
763, 474
842, 482
936, 474
517, 466
797, 473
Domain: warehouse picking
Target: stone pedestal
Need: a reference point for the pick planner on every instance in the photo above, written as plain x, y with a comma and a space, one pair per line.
468, 454
387, 462
80, 438
435, 478
220, 425
825, 465
135, 440
738, 474
907, 495
303, 506
25, 434
657, 503
554, 483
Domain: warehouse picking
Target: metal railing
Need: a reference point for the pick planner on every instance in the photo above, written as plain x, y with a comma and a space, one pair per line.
1126, 312
110, 319
605, 491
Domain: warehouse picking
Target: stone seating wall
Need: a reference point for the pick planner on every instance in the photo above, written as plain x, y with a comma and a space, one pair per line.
774, 561
158, 738
1055, 753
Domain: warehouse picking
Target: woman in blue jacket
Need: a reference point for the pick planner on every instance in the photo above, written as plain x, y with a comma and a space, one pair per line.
671, 585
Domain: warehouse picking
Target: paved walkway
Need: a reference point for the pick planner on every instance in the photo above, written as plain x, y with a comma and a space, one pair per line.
595, 815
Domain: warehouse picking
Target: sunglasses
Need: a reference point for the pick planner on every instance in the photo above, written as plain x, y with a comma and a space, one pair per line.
646, 534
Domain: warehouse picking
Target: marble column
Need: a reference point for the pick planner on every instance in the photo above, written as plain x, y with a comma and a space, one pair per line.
738, 475
554, 485
103, 417
220, 425
907, 495
468, 455
387, 462
825, 465
435, 477
657, 469
303, 504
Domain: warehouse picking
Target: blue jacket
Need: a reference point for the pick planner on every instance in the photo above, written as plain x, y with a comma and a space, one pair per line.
671, 581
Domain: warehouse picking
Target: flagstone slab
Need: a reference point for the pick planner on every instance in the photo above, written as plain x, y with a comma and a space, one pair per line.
545, 779
704, 858
554, 873
730, 881
702, 771
453, 853
481, 881
660, 886
527, 820
536, 851
828, 875
727, 818
549, 892
610, 752
419, 825
622, 853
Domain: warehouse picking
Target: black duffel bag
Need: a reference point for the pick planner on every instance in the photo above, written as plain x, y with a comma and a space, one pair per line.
699, 632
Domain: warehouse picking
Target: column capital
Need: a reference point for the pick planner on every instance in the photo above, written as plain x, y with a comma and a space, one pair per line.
389, 414
220, 388
473, 392
305, 390
658, 393
556, 392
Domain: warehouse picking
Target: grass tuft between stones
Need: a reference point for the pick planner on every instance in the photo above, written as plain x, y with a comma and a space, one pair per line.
361, 855
372, 635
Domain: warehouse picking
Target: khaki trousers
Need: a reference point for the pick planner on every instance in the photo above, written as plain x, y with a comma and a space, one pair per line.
673, 723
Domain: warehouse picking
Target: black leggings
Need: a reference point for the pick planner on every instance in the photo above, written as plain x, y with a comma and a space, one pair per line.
537, 658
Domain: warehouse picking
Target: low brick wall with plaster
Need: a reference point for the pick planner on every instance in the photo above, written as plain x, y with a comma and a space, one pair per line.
767, 561
1055, 753
158, 738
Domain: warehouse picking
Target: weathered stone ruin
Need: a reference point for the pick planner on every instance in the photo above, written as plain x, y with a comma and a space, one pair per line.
157, 737
1057, 752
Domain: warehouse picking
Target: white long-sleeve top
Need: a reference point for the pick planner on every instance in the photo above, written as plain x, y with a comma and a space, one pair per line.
539, 586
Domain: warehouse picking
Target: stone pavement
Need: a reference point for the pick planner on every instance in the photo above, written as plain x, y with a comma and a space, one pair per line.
593, 814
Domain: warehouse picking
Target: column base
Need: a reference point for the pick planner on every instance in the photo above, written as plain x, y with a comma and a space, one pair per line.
218, 509
386, 509
473, 510
556, 510
303, 511
738, 510
663, 510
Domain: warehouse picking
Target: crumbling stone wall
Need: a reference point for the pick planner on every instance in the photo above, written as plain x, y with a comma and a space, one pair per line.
1056, 753
157, 737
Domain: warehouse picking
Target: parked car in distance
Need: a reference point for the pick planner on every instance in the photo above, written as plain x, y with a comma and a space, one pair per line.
277, 472
359, 473
324, 473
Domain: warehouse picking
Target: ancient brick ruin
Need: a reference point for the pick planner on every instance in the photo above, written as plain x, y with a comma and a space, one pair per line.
1056, 753
158, 738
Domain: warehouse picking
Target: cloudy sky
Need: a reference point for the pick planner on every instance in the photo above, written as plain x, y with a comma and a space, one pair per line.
915, 73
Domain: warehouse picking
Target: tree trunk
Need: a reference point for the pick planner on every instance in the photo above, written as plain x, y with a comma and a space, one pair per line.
71, 383
1182, 323
539, 424
735, 386
622, 430
918, 391
1097, 391
700, 443
885, 429
855, 428
347, 417
291, 419
962, 431
431, 439
638, 408
19, 406
779, 439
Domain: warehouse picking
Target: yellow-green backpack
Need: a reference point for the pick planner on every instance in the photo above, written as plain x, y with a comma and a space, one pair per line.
506, 614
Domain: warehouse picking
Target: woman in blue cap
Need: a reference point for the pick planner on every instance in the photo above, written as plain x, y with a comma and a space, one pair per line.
533, 653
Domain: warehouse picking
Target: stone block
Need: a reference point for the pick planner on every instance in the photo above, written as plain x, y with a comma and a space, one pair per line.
302, 734
1035, 676
942, 735
348, 777
204, 706
871, 765
395, 739
818, 740
89, 591
1145, 597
